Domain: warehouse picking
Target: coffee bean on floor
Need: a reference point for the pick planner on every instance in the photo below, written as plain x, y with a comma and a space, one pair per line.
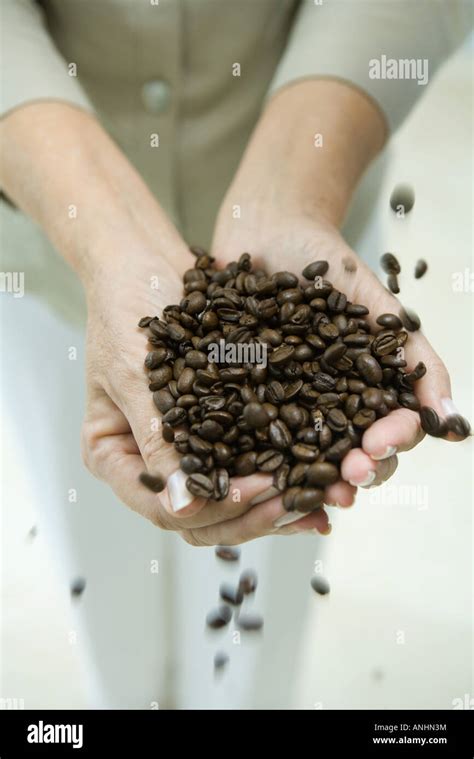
218, 618
227, 553
155, 483
320, 584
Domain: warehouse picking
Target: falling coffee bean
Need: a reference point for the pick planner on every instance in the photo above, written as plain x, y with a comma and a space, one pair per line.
227, 553
421, 268
78, 586
320, 585
249, 621
218, 618
402, 199
230, 594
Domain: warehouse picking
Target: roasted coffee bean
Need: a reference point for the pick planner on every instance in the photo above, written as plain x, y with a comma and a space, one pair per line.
395, 362
459, 425
352, 405
221, 485
175, 416
336, 301
248, 582
356, 309
191, 463
160, 377
308, 499
163, 400
336, 420
200, 485
421, 268
389, 264
392, 284
155, 483
219, 617
281, 355
411, 320
409, 400
250, 622
155, 358
187, 401
369, 368
285, 280
195, 302
384, 344
246, 463
221, 660
280, 477
289, 498
334, 353
176, 332
340, 449
364, 418
322, 473
211, 431
305, 453
145, 321
186, 380
158, 328
372, 398
167, 433
402, 199
181, 442
389, 321
230, 594
316, 269
297, 474
227, 553
78, 585
279, 434
255, 415
269, 460
320, 585
323, 382
196, 359
199, 446
292, 415
431, 423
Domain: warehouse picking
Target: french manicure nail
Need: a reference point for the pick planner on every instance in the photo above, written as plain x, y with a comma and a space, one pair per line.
389, 451
179, 495
449, 407
364, 483
270, 492
291, 516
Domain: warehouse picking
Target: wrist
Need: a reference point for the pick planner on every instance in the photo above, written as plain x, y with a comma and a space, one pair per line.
308, 151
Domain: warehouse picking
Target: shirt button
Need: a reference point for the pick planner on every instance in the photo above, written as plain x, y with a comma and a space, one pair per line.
156, 95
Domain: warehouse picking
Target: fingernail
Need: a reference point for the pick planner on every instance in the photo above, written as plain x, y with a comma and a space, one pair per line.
327, 531
364, 483
291, 516
449, 406
179, 495
270, 492
389, 451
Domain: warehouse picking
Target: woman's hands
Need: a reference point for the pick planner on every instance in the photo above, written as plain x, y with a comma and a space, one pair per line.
283, 208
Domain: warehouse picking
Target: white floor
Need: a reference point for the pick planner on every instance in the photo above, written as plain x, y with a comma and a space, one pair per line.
396, 629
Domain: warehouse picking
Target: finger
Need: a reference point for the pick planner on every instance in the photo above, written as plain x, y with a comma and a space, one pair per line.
362, 471
243, 492
340, 494
397, 432
256, 523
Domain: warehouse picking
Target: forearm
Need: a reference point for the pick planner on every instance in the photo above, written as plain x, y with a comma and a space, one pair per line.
313, 142
62, 169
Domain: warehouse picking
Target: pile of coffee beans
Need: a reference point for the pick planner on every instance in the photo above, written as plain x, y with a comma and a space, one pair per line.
326, 378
